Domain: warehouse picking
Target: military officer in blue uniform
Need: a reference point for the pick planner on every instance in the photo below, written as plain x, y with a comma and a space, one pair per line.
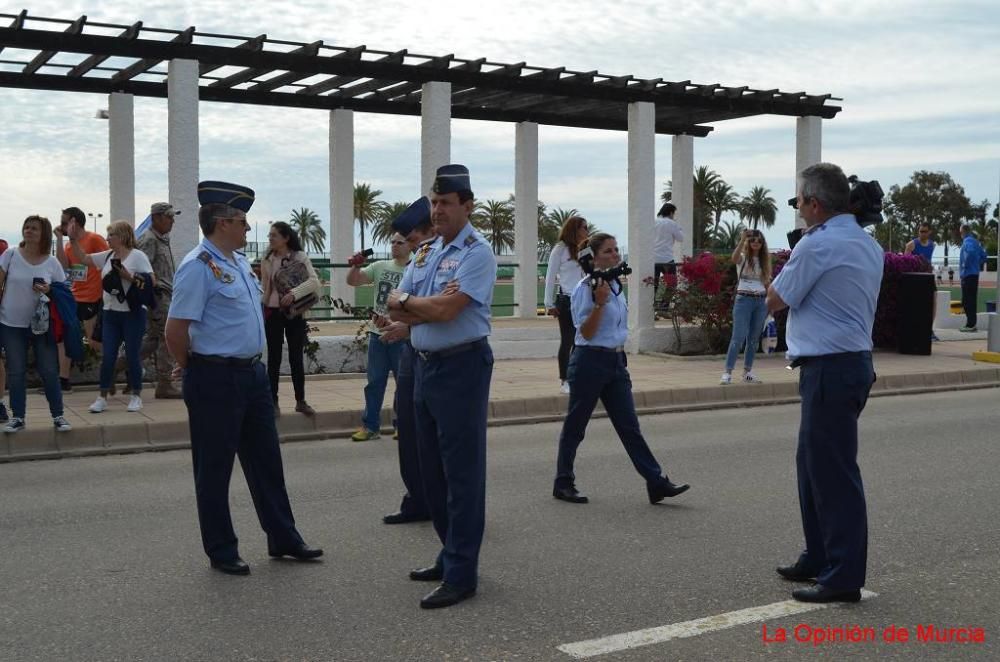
215, 332
830, 286
453, 368
414, 224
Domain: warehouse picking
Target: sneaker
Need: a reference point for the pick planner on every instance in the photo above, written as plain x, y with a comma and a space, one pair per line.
67, 387
15, 425
750, 378
727, 379
968, 329
3, 414
364, 434
135, 404
934, 337
564, 388
100, 404
62, 425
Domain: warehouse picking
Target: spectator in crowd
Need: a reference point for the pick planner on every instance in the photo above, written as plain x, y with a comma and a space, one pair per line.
753, 264
3, 369
971, 260
382, 357
923, 246
122, 268
287, 277
564, 273
86, 281
666, 233
27, 274
155, 243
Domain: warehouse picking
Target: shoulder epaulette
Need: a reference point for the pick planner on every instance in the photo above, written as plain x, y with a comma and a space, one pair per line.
205, 257
471, 239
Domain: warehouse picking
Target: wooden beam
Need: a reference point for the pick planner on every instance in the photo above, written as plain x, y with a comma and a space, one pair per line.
39, 60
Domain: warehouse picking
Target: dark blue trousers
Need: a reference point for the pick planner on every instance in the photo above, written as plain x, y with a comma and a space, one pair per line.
414, 503
598, 375
834, 390
451, 400
231, 414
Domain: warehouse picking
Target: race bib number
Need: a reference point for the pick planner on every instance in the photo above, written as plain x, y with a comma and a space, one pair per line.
77, 273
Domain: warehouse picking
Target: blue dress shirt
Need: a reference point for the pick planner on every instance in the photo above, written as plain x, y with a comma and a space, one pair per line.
612, 330
221, 298
831, 284
469, 259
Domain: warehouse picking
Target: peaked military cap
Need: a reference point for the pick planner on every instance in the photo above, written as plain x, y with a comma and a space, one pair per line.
417, 214
452, 178
225, 193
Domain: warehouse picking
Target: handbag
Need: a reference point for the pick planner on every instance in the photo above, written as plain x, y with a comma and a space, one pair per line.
290, 275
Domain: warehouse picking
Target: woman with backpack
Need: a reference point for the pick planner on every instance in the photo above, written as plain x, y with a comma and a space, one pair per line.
291, 287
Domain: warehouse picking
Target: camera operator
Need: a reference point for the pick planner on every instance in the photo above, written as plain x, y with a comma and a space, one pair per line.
597, 371
830, 285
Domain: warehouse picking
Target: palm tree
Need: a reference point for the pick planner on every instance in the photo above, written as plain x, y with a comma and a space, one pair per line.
495, 219
382, 229
310, 229
367, 207
759, 207
719, 199
728, 235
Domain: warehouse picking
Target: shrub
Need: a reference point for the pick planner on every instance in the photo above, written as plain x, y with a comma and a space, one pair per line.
704, 296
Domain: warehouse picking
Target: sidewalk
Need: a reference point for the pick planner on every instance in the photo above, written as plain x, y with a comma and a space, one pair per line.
522, 391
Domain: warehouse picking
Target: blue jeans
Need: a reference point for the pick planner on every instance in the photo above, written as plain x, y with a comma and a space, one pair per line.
749, 314
382, 358
130, 327
15, 342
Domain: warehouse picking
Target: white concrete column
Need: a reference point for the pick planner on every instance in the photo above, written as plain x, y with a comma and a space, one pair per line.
341, 201
641, 211
435, 131
526, 219
808, 149
183, 154
121, 156
682, 188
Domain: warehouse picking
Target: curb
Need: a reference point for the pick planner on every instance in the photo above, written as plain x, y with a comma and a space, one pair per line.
143, 437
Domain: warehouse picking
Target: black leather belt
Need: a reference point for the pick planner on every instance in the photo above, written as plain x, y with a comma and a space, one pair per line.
223, 360
803, 360
752, 295
613, 350
451, 351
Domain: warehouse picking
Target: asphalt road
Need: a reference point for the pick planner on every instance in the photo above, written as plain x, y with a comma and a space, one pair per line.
100, 557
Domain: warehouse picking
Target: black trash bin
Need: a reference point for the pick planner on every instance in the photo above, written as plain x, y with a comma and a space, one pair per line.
916, 309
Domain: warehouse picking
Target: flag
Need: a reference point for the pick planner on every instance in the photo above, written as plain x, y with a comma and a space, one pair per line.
145, 225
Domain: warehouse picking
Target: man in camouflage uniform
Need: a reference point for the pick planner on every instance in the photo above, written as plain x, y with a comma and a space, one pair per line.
155, 243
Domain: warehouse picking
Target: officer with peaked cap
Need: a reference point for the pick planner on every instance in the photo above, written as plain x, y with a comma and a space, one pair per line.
215, 332
414, 224
454, 364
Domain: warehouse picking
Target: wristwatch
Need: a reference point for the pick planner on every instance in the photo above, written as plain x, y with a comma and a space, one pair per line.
403, 298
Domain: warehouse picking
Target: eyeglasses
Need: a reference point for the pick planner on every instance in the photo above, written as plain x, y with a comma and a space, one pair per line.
242, 220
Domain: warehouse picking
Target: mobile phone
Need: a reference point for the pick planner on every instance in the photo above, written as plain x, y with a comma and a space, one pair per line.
37, 281
368, 252
116, 263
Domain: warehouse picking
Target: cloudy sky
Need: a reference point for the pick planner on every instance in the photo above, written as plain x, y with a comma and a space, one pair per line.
920, 84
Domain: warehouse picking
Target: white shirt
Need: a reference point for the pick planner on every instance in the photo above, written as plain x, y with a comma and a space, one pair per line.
565, 269
750, 277
19, 298
666, 231
136, 262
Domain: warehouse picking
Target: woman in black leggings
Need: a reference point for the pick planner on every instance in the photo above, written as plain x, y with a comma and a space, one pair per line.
564, 270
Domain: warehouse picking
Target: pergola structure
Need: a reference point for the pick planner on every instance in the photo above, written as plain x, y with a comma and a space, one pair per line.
187, 66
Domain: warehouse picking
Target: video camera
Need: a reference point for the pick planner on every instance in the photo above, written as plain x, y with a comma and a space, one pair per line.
609, 276
865, 203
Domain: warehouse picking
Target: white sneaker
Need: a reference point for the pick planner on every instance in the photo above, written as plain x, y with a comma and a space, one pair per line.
751, 378
135, 404
727, 379
100, 404
564, 388
62, 425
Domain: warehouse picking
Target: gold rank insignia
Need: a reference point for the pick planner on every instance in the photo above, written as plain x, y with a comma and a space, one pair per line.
206, 257
422, 253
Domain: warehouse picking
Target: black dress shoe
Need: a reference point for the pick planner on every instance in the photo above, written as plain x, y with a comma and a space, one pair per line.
402, 518
301, 552
569, 494
446, 595
236, 566
795, 573
664, 489
433, 573
820, 593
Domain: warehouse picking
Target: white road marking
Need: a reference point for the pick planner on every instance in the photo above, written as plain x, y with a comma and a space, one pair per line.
699, 626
